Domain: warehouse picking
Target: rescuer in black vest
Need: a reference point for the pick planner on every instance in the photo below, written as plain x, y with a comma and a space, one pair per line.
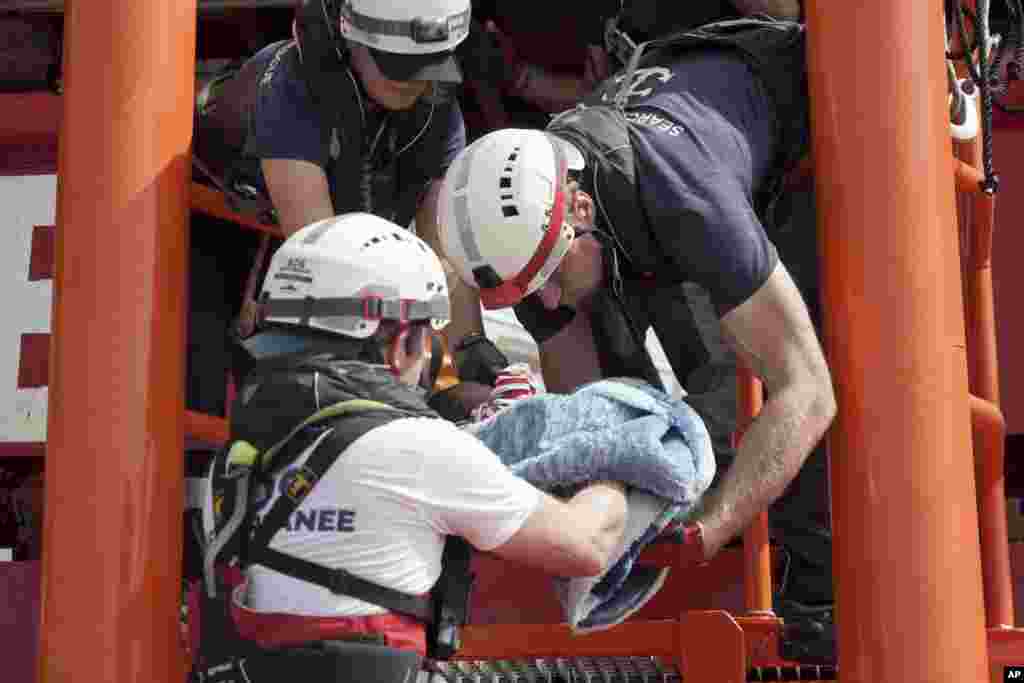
356, 113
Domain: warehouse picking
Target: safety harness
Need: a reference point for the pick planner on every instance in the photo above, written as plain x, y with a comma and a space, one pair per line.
600, 128
242, 472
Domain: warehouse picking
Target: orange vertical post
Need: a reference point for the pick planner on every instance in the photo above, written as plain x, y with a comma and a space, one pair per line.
114, 470
908, 573
757, 559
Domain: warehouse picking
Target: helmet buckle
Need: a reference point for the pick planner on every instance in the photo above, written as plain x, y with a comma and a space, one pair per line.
373, 307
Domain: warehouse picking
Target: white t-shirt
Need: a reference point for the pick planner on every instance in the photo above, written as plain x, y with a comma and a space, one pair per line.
382, 512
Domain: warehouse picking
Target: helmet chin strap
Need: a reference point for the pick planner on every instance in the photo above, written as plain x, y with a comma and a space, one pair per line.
394, 345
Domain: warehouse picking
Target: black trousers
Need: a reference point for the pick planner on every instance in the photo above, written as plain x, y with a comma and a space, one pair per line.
220, 257
319, 662
336, 662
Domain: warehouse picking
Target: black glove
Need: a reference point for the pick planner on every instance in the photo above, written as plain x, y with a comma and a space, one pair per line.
446, 404
541, 323
479, 360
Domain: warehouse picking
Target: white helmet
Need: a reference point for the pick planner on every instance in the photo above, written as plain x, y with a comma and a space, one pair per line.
411, 40
502, 212
347, 273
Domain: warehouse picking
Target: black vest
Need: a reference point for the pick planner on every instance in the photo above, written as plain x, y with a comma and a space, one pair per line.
367, 172
278, 395
775, 50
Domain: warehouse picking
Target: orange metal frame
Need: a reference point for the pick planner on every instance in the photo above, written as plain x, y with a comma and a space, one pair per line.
920, 552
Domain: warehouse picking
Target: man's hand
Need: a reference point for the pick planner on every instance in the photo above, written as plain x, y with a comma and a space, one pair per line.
772, 332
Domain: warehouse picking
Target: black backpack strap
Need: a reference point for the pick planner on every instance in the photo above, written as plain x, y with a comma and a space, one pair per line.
324, 64
326, 451
451, 595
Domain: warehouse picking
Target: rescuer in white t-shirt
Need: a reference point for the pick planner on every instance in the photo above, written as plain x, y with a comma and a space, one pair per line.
349, 304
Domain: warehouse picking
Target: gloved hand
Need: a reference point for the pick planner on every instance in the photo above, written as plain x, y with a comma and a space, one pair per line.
479, 360
457, 402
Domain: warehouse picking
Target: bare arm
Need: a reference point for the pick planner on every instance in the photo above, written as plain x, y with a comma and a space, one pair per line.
574, 538
773, 332
465, 302
780, 9
299, 191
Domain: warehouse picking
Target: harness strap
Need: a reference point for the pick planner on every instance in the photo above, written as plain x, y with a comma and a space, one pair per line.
452, 591
241, 200
327, 449
341, 582
266, 461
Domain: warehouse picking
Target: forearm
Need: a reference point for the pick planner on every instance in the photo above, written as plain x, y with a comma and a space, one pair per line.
780, 9
467, 317
299, 192
769, 457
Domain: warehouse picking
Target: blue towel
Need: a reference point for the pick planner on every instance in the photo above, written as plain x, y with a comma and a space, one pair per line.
617, 430
612, 429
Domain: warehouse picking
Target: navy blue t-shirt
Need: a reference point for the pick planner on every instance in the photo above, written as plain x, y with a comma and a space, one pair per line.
704, 144
286, 124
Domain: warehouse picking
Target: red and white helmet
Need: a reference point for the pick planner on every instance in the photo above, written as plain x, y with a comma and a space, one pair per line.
502, 212
347, 273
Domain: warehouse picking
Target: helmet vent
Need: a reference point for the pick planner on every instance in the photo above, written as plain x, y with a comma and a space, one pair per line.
505, 183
